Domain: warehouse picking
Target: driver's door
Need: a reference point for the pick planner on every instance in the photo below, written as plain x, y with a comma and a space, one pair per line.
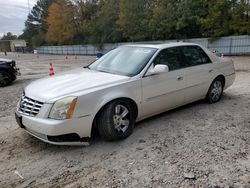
164, 91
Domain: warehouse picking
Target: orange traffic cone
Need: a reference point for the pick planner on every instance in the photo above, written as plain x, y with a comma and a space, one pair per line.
51, 70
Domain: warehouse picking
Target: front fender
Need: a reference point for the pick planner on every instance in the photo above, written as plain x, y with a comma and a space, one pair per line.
90, 104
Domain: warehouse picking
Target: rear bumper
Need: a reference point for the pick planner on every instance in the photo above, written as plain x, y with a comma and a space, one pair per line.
57, 132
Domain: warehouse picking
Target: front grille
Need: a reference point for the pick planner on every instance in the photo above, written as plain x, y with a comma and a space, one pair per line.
29, 107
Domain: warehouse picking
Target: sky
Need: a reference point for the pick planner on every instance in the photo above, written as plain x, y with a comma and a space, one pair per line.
13, 14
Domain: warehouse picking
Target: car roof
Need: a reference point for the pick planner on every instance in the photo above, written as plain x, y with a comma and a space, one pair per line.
162, 46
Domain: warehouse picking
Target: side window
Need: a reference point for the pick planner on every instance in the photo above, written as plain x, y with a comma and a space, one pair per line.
204, 56
171, 58
194, 55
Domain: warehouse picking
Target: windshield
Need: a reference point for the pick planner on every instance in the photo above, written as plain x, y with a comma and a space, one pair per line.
125, 60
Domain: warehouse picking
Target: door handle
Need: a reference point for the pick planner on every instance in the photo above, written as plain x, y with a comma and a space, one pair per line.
210, 71
179, 78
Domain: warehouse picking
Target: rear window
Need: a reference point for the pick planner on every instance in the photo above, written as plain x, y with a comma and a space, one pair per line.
194, 56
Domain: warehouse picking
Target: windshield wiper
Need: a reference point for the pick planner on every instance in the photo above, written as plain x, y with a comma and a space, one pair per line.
103, 71
87, 67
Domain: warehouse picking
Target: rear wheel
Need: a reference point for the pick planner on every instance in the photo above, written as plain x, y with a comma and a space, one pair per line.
116, 121
215, 91
5, 78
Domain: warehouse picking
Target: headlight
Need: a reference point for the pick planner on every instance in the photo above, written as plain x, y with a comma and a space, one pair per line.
63, 108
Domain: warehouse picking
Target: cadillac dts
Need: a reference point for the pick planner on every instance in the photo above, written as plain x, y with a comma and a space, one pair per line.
126, 85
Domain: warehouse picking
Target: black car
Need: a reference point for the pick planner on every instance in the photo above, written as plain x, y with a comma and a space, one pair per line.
8, 71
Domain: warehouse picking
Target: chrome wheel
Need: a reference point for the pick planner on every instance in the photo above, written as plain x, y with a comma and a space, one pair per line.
120, 118
216, 91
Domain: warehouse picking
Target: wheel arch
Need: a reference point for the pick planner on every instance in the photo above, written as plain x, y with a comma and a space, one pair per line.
222, 77
218, 76
131, 101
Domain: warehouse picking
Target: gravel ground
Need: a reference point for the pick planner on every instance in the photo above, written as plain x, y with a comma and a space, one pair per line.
199, 145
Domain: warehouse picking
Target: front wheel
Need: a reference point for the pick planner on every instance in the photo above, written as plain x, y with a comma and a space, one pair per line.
116, 121
215, 91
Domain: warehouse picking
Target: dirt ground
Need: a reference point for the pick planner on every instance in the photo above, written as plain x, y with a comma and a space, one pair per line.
199, 145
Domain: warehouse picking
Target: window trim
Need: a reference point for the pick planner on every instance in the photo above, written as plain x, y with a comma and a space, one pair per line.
182, 58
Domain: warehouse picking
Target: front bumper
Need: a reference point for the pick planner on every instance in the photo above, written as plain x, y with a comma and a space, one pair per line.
58, 132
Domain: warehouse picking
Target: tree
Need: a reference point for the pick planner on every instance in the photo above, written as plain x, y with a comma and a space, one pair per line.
36, 25
104, 21
176, 19
163, 20
217, 22
60, 22
133, 21
240, 22
84, 11
103, 24
188, 14
9, 36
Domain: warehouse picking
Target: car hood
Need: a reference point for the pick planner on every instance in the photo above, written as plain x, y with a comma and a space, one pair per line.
70, 83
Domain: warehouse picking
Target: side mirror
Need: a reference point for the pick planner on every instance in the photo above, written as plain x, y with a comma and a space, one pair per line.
158, 69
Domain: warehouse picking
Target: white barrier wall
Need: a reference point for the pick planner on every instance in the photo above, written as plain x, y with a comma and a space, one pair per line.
232, 45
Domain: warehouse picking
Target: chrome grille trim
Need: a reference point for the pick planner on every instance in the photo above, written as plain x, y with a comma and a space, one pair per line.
29, 107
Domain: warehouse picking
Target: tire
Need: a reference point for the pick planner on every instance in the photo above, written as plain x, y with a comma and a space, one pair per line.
215, 91
116, 121
5, 78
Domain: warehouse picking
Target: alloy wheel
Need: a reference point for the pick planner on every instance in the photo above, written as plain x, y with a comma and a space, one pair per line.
121, 118
216, 91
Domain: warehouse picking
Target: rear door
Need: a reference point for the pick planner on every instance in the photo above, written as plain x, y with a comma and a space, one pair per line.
199, 72
164, 91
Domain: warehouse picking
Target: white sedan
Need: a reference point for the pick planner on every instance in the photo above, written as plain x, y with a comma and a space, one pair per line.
128, 84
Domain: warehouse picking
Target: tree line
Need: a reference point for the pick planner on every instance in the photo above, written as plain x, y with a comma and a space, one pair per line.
67, 22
